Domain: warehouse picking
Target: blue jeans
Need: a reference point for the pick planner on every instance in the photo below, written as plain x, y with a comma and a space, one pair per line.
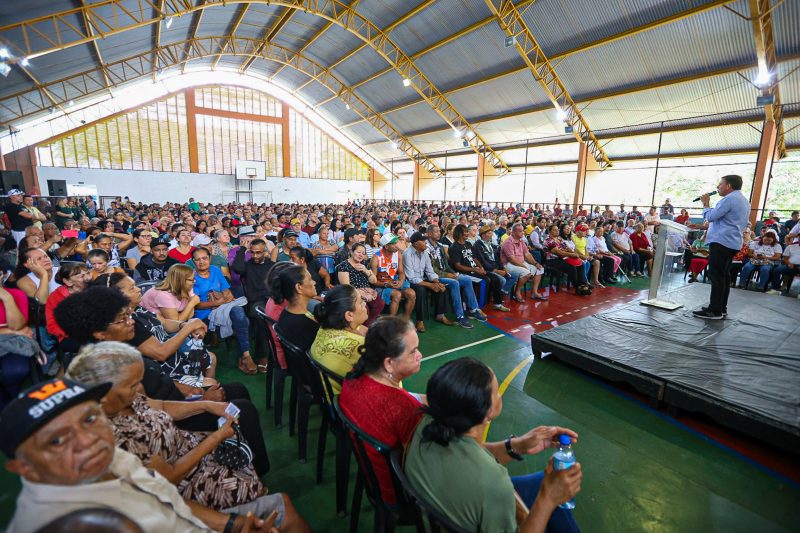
778, 273
561, 521
241, 328
763, 274
454, 288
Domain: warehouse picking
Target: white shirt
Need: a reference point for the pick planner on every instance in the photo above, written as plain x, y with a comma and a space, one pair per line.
793, 253
765, 250
622, 240
596, 245
139, 493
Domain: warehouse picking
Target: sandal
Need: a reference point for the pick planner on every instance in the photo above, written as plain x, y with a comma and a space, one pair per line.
247, 365
520, 300
262, 366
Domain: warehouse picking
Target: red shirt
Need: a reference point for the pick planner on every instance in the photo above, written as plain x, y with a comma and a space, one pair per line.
681, 219
53, 301
178, 256
22, 303
640, 241
390, 415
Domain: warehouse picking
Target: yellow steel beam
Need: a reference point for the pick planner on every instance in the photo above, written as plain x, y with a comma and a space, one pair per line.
510, 20
556, 57
761, 19
438, 44
139, 66
352, 5
98, 55
156, 38
409, 14
594, 97
237, 21
197, 19
119, 16
270, 34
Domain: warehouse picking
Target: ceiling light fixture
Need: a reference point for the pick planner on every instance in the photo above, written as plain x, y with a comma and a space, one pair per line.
4, 53
4, 69
394, 145
763, 77
406, 82
168, 23
347, 106
24, 62
561, 114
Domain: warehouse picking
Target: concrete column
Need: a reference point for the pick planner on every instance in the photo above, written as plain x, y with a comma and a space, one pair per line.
380, 185
486, 174
422, 180
766, 153
586, 165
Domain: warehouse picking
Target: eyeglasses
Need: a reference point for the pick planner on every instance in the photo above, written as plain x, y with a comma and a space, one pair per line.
128, 318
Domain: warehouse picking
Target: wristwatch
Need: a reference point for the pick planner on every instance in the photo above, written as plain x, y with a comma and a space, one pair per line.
510, 451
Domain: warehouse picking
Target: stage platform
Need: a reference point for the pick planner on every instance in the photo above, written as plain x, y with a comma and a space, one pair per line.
743, 372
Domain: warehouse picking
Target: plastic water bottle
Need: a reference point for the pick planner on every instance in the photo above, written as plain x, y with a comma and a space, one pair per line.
564, 459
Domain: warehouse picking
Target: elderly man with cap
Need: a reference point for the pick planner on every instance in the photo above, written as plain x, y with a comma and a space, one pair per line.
390, 278
20, 217
420, 274
62, 446
487, 255
303, 238
154, 266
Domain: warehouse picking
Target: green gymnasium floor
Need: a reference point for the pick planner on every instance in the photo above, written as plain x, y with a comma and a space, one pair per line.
643, 471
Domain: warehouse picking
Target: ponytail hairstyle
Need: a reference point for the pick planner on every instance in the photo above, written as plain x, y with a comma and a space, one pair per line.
338, 301
285, 281
384, 339
108, 280
459, 397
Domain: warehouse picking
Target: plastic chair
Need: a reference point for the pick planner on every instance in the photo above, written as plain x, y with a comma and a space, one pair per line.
386, 518
327, 378
274, 372
436, 520
306, 391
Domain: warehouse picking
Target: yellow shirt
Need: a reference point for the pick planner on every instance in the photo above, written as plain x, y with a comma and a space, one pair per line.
580, 244
336, 350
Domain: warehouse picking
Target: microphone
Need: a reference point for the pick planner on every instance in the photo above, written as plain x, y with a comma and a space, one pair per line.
710, 194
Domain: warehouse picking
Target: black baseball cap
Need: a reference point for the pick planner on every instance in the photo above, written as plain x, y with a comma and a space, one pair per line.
417, 236
39, 404
162, 240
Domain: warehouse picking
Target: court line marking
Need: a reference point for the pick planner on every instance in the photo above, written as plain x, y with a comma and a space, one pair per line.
505, 384
462, 347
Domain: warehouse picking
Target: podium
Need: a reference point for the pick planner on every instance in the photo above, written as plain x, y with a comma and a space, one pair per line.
670, 244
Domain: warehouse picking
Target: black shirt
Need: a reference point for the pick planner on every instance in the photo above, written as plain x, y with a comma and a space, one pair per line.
300, 330
461, 254
254, 276
147, 270
486, 255
18, 223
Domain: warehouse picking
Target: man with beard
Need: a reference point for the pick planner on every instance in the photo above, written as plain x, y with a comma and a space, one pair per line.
154, 266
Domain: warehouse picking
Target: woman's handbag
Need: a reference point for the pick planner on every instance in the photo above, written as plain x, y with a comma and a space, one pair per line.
234, 453
367, 294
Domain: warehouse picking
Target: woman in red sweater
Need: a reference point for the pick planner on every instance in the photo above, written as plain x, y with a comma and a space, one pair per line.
73, 277
373, 397
183, 252
643, 246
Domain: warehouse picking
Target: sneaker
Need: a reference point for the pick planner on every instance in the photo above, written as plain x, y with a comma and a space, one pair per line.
501, 307
479, 315
724, 311
773, 292
708, 315
465, 323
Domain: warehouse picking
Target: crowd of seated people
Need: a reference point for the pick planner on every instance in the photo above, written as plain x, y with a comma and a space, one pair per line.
128, 302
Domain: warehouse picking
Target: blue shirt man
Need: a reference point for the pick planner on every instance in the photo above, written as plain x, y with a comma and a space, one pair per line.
727, 220
724, 238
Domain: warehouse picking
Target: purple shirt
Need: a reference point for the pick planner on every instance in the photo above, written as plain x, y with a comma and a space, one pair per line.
236, 281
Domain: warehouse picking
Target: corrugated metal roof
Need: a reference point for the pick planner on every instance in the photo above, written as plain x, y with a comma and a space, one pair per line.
708, 41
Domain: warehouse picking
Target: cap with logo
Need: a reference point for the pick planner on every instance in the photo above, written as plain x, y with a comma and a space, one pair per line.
388, 238
15, 192
161, 241
289, 233
38, 405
